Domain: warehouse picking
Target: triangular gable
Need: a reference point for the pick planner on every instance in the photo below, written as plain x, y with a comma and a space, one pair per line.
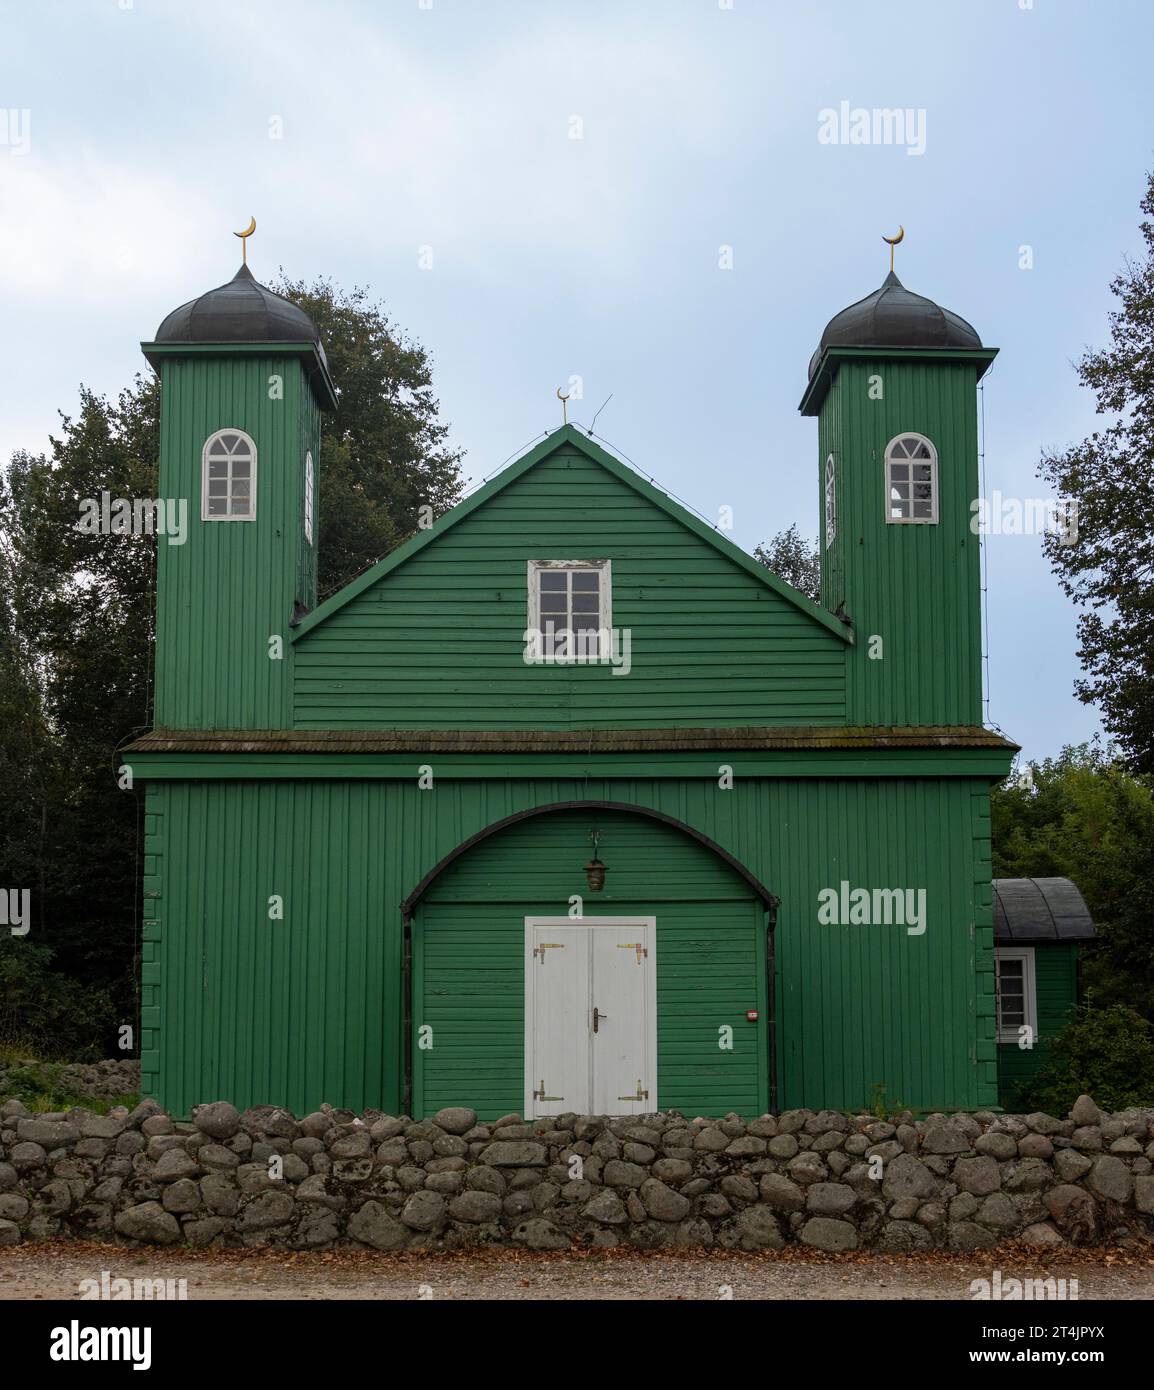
572, 436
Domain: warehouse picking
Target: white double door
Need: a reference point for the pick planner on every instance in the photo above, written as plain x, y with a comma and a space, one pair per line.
590, 1015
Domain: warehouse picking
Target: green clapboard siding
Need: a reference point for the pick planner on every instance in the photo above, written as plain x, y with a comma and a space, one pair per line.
469, 945
308, 1009
438, 642
1056, 982
916, 587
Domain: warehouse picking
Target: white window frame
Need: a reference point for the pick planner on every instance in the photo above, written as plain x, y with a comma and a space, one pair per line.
830, 500
932, 519
310, 495
534, 625
1029, 989
204, 476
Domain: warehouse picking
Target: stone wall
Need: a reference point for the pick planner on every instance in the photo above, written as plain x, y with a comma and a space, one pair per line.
826, 1180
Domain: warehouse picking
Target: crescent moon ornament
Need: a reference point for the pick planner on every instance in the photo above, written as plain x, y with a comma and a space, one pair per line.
248, 231
564, 406
892, 241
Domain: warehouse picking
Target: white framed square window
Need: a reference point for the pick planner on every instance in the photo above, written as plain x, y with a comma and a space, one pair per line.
1017, 994
570, 610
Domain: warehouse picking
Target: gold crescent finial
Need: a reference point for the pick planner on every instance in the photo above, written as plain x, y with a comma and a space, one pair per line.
248, 231
564, 406
892, 241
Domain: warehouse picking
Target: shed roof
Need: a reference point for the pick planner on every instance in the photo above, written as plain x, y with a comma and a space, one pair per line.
1029, 910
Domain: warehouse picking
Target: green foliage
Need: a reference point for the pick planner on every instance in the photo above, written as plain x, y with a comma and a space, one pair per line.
1087, 818
76, 644
1109, 570
1107, 1054
793, 558
881, 1107
383, 454
44, 1012
42, 1090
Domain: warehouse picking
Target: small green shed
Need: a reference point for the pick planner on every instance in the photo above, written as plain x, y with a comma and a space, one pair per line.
1038, 926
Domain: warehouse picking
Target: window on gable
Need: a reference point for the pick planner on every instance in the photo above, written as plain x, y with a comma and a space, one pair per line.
1016, 993
310, 494
570, 609
228, 477
911, 479
830, 502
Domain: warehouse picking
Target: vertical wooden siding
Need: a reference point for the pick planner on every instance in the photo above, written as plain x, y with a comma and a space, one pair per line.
1056, 986
308, 1008
439, 642
469, 946
915, 586
231, 584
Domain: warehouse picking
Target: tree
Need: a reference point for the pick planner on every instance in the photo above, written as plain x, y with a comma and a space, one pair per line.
383, 454
792, 558
76, 639
1088, 818
1108, 570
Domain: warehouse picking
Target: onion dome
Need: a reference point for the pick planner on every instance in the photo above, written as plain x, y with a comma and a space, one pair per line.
241, 311
894, 317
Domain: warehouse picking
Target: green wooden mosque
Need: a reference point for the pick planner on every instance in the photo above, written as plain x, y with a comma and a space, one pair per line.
568, 804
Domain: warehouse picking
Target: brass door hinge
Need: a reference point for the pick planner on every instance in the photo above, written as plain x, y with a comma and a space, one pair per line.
641, 950
641, 1095
540, 1094
547, 946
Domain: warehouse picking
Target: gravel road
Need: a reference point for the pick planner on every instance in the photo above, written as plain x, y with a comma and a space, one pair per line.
55, 1272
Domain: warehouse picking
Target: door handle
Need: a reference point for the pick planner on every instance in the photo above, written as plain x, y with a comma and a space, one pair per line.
597, 1017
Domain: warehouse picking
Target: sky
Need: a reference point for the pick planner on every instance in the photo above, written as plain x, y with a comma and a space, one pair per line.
621, 198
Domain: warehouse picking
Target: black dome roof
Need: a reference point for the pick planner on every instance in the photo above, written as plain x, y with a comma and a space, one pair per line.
242, 311
894, 317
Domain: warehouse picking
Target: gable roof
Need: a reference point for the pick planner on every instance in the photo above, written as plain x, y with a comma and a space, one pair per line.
569, 435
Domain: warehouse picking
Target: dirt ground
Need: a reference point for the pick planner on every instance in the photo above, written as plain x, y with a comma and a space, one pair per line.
55, 1272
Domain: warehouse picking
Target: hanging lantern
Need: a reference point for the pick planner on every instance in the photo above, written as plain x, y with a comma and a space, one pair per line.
595, 870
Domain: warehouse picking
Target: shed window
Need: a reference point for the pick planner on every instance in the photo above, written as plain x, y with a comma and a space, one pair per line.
1017, 998
570, 609
309, 496
228, 477
911, 479
830, 502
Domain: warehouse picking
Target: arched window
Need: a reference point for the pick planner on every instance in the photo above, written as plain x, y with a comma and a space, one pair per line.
830, 502
911, 479
228, 477
309, 496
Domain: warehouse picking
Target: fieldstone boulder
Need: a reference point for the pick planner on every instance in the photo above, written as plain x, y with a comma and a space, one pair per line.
219, 1119
514, 1153
828, 1233
662, 1202
456, 1119
475, 1207
150, 1223
425, 1211
757, 1228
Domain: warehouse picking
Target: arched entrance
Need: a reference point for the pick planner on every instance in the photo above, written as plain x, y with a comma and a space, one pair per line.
529, 992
